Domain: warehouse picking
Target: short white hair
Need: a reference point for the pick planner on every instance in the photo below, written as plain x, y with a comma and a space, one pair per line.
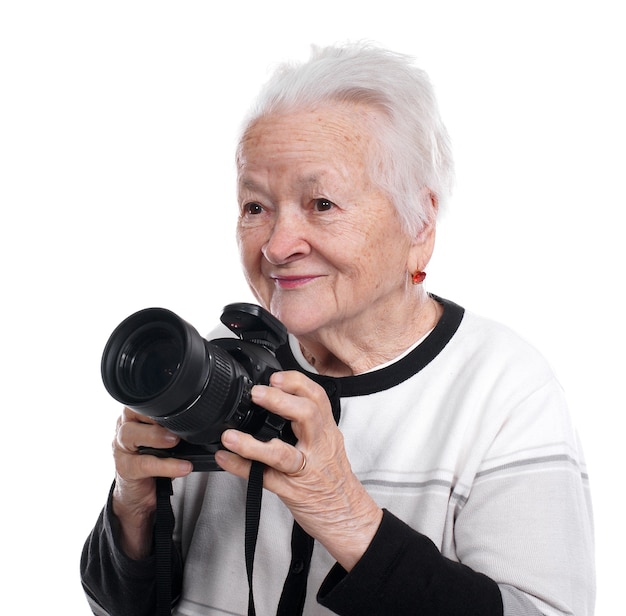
413, 164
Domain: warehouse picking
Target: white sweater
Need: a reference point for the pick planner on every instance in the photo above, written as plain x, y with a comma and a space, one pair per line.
475, 449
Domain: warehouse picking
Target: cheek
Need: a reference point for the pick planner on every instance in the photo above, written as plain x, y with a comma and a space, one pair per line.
250, 255
384, 257
250, 244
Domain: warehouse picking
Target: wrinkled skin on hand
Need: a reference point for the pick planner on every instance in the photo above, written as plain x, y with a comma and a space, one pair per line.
134, 495
325, 497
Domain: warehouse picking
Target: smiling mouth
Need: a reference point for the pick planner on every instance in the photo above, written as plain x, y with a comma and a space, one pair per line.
292, 282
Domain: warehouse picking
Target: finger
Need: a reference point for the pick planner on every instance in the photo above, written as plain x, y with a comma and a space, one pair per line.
275, 453
135, 431
132, 435
300, 470
301, 386
233, 463
130, 415
294, 397
133, 467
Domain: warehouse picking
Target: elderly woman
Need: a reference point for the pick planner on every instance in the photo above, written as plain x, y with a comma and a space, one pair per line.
448, 481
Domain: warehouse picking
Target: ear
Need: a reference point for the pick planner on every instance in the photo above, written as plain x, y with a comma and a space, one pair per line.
423, 244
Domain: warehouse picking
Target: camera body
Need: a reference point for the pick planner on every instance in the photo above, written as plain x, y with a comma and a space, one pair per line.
157, 364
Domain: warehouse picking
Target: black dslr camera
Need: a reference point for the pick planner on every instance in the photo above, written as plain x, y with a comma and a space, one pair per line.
158, 365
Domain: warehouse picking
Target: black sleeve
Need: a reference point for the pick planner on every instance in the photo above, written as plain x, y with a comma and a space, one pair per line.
403, 572
115, 584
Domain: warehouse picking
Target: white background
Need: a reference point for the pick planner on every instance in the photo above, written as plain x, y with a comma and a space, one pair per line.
117, 129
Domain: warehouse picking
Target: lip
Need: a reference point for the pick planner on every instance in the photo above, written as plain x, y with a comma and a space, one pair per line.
293, 281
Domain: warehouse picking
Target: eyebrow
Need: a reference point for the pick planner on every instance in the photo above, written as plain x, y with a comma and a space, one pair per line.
308, 180
248, 183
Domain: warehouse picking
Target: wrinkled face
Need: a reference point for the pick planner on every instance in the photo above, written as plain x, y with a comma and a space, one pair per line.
321, 246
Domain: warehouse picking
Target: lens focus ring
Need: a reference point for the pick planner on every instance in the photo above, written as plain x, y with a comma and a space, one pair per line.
204, 420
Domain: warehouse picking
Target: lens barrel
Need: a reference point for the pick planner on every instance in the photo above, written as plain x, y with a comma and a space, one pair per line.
158, 365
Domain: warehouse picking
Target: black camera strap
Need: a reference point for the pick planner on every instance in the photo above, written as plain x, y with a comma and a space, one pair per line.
163, 545
294, 590
164, 527
253, 515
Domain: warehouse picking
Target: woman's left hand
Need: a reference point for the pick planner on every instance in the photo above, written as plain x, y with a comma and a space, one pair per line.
314, 478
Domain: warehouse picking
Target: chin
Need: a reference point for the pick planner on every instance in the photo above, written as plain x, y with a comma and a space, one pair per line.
300, 318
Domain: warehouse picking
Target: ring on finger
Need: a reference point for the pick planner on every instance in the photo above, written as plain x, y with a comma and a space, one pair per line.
300, 470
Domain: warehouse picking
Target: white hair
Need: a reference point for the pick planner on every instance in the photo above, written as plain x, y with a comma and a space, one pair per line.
413, 164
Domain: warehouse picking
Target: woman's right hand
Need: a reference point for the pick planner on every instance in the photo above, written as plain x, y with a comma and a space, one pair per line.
134, 496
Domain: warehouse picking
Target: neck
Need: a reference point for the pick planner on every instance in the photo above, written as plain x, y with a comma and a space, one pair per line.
352, 349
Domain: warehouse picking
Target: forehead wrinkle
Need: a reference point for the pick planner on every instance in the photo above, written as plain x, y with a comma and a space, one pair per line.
313, 180
331, 182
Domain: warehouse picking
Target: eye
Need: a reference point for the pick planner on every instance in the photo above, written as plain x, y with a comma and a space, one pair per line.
323, 205
252, 209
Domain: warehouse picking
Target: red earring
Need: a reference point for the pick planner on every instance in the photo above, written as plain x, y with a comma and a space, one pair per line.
418, 277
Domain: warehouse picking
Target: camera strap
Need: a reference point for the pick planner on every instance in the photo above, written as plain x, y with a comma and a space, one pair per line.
294, 590
163, 529
253, 515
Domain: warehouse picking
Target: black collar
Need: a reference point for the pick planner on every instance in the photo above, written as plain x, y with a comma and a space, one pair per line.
394, 374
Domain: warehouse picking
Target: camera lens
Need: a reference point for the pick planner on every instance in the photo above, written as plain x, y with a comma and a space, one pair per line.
158, 365
155, 363
149, 360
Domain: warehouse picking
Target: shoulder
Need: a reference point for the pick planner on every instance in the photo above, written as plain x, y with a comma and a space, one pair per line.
485, 341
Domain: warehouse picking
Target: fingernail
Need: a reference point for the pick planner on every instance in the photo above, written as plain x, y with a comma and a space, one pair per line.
185, 467
230, 438
220, 456
258, 392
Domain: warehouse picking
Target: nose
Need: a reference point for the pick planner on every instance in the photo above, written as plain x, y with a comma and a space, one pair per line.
288, 239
